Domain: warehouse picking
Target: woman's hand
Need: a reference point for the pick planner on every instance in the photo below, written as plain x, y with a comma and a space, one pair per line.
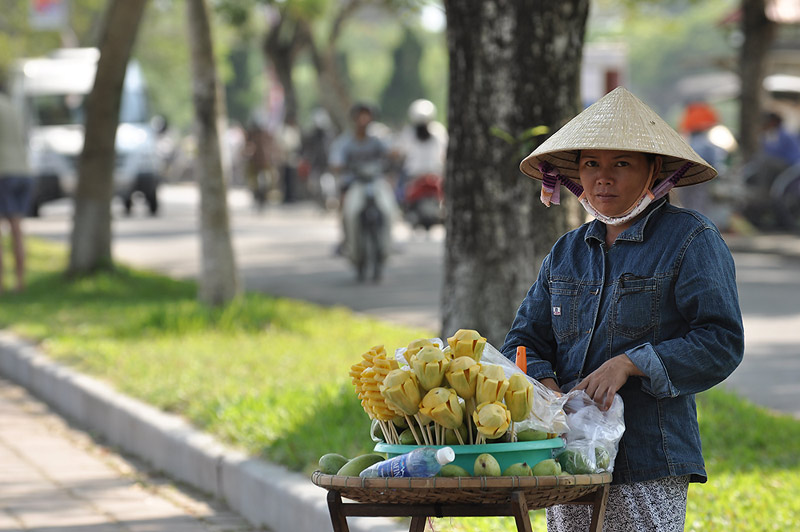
551, 384
605, 381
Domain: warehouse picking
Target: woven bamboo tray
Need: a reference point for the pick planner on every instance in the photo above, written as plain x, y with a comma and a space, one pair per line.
539, 492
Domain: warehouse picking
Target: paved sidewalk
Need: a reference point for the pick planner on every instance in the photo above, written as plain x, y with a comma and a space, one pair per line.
55, 478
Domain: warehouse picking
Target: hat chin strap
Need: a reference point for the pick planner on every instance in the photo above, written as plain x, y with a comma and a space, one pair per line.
635, 210
551, 178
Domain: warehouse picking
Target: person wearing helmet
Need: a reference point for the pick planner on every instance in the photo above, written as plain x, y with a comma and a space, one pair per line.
360, 158
640, 303
422, 145
697, 121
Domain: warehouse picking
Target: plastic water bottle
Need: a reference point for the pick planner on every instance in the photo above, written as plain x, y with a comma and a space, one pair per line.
421, 462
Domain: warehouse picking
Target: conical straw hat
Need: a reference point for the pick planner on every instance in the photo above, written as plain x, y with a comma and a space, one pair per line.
618, 121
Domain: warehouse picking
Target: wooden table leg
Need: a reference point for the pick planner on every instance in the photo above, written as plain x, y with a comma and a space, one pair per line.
338, 519
417, 523
519, 506
599, 509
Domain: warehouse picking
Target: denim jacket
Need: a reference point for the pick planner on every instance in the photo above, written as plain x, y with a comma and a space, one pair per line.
665, 294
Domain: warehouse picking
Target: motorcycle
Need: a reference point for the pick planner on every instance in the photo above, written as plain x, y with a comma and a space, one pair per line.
367, 211
424, 201
772, 194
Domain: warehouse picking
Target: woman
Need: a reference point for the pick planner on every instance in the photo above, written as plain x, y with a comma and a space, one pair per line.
642, 302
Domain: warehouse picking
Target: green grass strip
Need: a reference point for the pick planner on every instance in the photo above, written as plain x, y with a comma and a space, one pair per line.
270, 376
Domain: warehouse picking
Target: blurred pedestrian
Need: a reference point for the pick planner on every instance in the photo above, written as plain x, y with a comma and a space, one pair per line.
259, 147
15, 185
697, 121
315, 146
422, 144
288, 139
777, 142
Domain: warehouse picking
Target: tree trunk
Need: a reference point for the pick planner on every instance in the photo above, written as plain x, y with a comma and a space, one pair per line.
759, 33
90, 244
514, 65
281, 46
218, 282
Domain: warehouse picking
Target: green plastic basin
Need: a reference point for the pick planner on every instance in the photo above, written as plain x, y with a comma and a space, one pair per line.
506, 454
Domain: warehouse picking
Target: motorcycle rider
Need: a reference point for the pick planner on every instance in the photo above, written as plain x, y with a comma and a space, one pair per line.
423, 146
352, 153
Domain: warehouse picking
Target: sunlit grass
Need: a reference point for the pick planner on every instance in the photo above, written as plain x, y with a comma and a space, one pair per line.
270, 376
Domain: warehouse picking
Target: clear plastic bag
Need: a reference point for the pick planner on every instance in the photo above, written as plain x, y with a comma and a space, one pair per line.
593, 437
547, 414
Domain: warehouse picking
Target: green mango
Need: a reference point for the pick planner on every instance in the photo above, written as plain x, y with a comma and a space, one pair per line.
601, 458
331, 463
546, 468
574, 463
407, 438
486, 465
531, 435
450, 437
356, 465
452, 470
400, 422
520, 469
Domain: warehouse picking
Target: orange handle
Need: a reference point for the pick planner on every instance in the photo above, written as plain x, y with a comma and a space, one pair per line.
522, 358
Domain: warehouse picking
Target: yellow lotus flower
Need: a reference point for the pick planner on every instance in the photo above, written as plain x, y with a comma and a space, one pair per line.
415, 347
370, 355
401, 392
491, 385
355, 377
429, 365
442, 406
375, 403
462, 375
492, 419
467, 342
519, 396
383, 366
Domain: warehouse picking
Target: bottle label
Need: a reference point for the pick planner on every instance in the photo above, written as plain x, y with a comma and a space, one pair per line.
396, 467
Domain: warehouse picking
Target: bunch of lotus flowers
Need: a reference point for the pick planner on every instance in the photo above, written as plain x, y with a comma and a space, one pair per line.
367, 376
441, 390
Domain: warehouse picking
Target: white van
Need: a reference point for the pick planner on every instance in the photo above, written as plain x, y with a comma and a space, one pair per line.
50, 92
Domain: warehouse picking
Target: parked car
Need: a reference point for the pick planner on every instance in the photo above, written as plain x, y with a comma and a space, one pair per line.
50, 92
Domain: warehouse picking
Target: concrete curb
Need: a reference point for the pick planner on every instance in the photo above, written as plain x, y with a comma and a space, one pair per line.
263, 493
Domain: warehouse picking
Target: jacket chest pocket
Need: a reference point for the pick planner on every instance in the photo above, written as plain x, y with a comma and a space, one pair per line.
564, 309
633, 312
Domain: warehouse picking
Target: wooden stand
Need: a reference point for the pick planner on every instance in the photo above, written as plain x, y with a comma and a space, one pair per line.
474, 496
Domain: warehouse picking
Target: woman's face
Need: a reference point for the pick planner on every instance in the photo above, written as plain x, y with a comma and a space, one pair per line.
614, 180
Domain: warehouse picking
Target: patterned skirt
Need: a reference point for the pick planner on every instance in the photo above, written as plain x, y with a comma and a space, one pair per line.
652, 506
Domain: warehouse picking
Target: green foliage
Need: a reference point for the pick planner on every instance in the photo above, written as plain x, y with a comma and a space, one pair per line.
162, 47
405, 84
280, 385
367, 46
18, 39
667, 41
